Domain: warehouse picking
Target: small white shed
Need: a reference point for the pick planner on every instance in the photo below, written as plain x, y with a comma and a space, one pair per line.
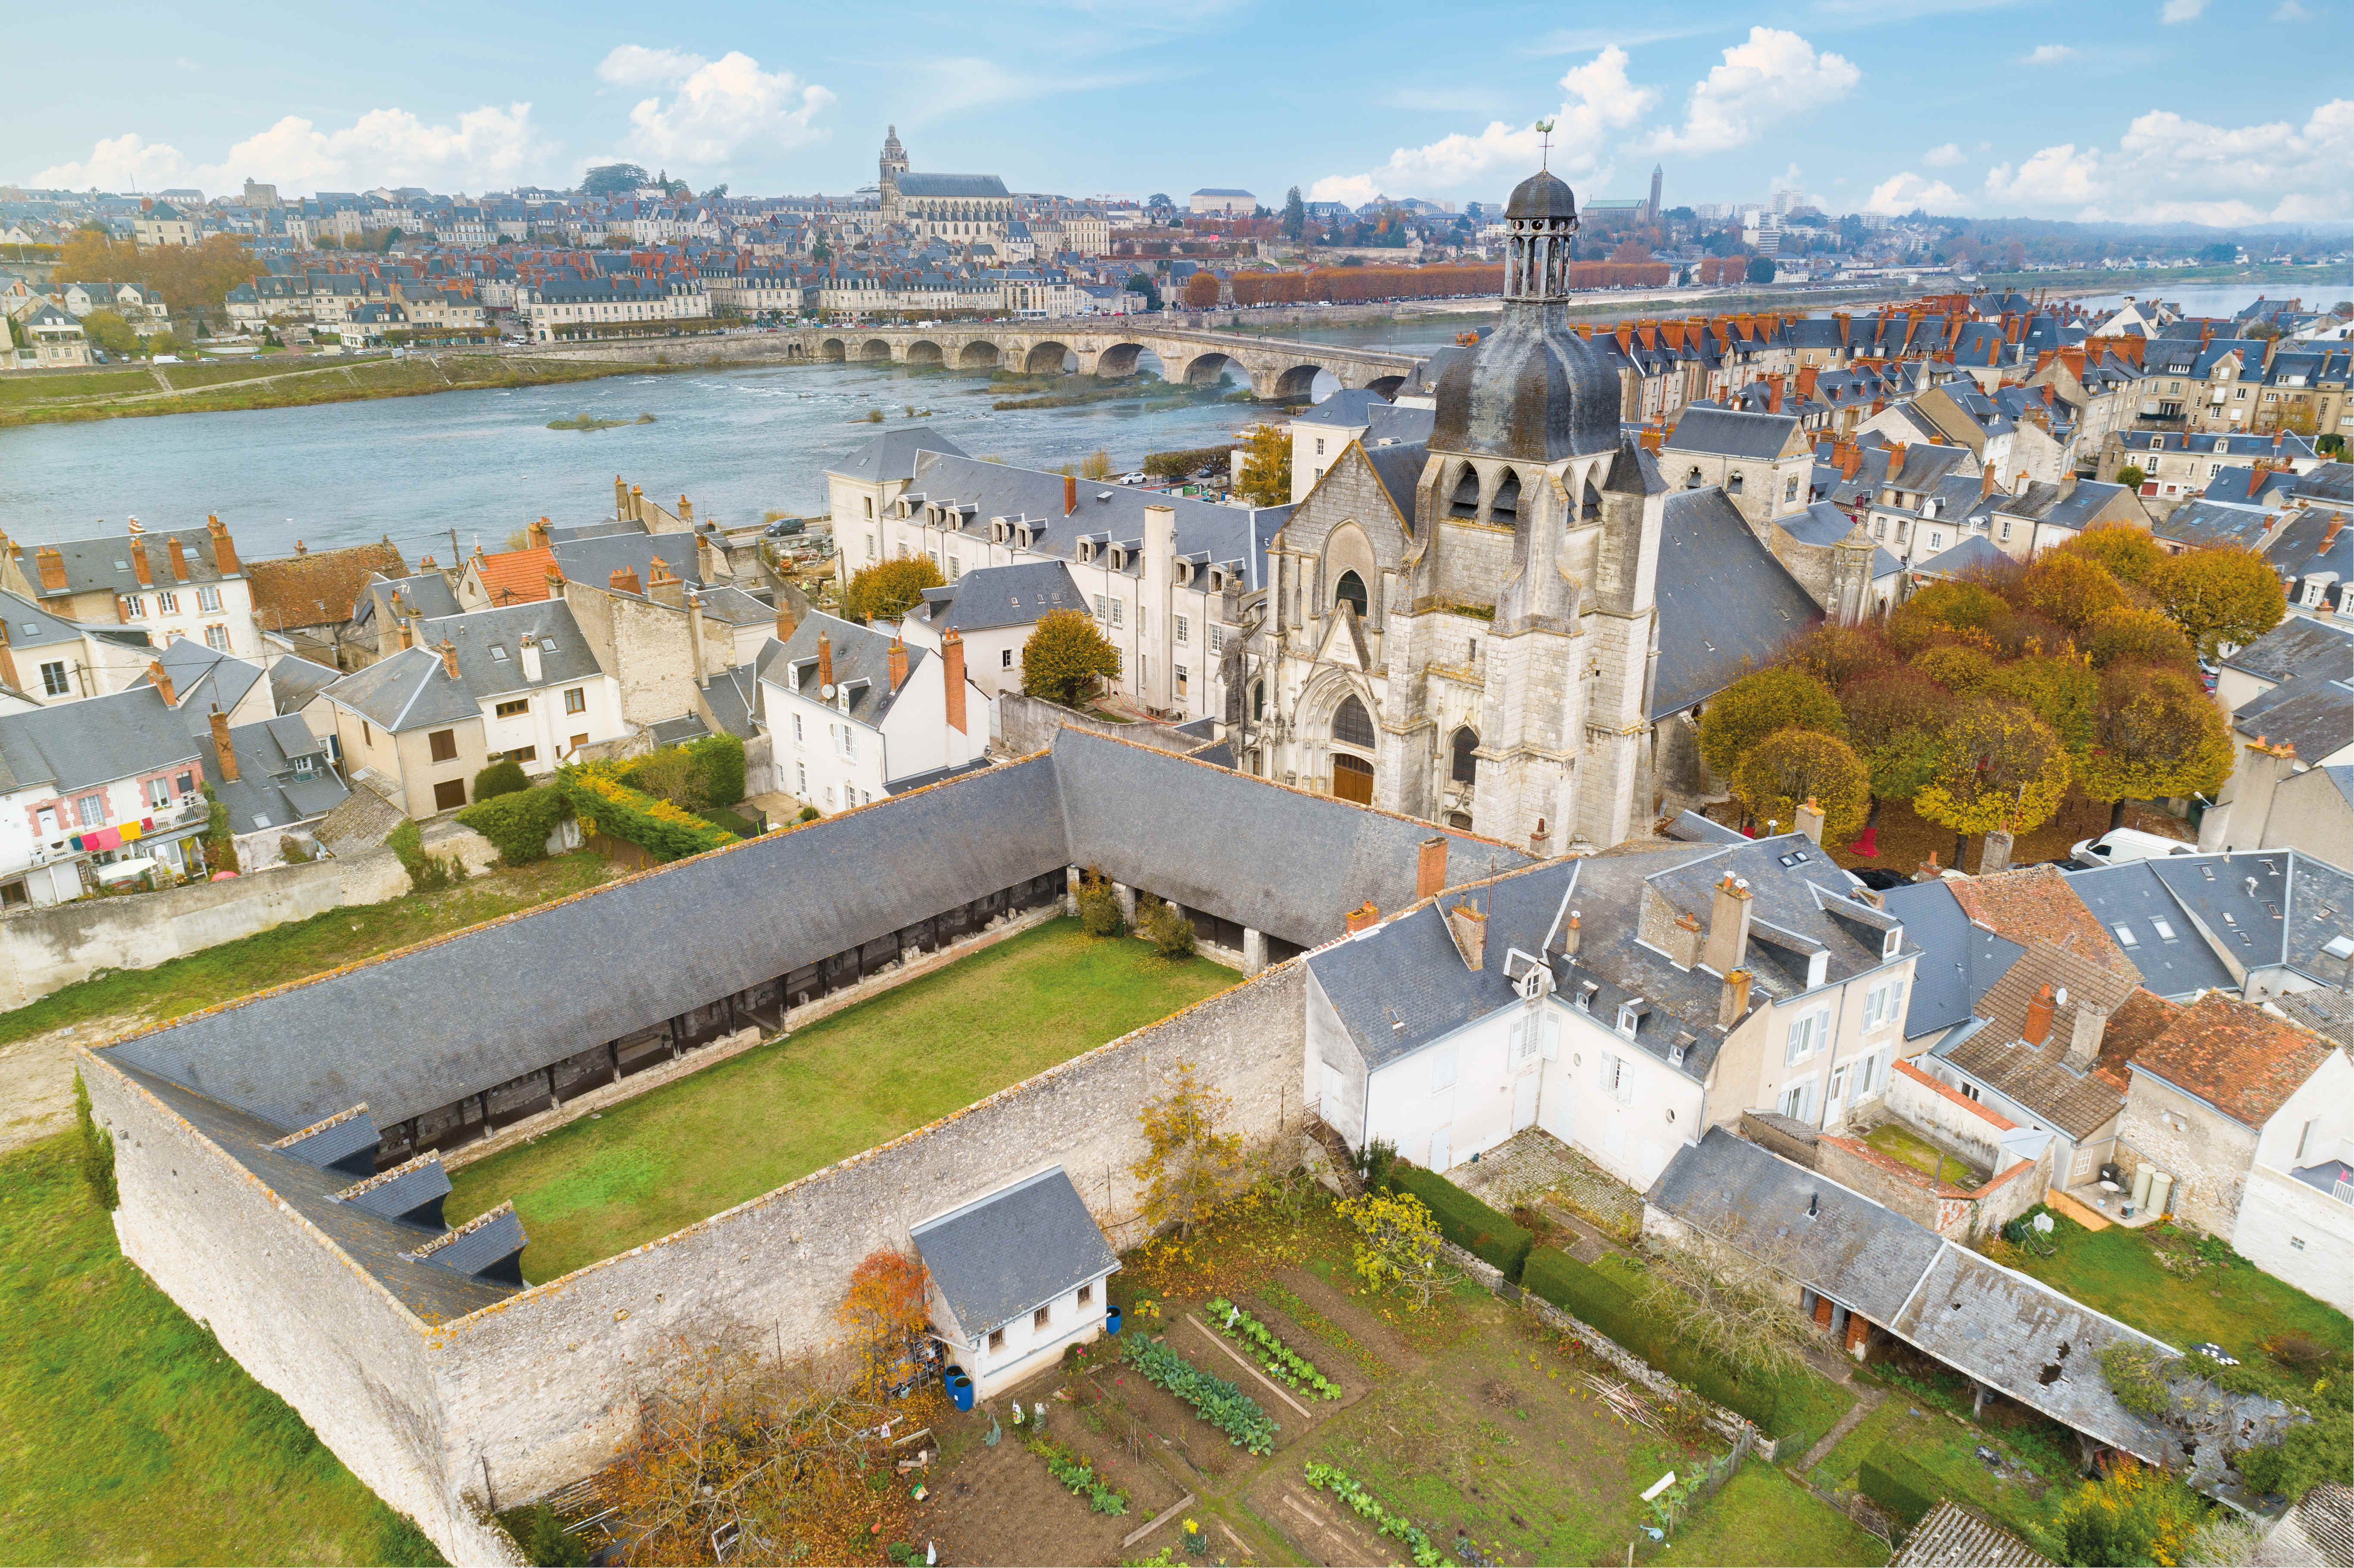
1016, 1276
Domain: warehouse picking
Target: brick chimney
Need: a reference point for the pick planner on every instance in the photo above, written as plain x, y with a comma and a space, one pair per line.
1684, 941
1070, 494
224, 548
555, 580
824, 663
1733, 999
179, 558
407, 634
1468, 927
2084, 1044
1811, 820
2039, 1016
898, 663
664, 586
624, 579
1726, 948
687, 512
51, 565
1986, 482
449, 658
1363, 918
220, 744
637, 503
534, 536
139, 565
953, 678
161, 682
301, 548
1895, 460
1430, 867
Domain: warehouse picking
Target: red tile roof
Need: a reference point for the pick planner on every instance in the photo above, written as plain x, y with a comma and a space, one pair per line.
2240, 1059
2037, 902
516, 576
319, 588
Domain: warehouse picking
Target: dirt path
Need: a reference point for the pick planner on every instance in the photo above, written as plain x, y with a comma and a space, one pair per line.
36, 1079
1864, 1405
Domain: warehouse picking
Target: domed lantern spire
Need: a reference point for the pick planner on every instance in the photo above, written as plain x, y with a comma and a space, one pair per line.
1541, 217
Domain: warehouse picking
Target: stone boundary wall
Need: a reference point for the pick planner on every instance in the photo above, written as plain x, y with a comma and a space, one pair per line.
1975, 1131
1028, 724
47, 949
298, 1314
544, 1387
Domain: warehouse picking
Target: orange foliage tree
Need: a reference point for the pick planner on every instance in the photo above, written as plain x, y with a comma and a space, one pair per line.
189, 276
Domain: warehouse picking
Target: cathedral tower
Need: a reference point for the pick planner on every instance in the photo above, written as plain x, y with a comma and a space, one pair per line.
893, 164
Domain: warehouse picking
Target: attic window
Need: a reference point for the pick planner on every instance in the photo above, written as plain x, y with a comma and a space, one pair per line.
260, 819
548, 644
499, 653
2165, 932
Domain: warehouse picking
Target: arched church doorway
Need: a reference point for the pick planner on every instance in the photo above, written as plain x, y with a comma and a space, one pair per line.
1352, 779
1466, 768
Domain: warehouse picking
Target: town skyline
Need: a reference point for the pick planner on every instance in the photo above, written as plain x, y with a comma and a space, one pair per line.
2059, 120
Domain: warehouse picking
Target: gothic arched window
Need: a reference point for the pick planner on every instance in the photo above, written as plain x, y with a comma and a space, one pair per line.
1349, 591
1465, 502
1351, 726
1259, 701
1467, 765
1506, 508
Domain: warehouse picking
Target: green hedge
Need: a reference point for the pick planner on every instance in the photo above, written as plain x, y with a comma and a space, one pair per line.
718, 768
519, 822
1906, 1491
1466, 1221
618, 811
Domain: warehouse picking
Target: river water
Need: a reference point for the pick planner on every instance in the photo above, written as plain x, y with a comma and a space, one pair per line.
738, 444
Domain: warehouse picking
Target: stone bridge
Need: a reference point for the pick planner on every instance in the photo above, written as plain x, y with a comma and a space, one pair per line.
1279, 369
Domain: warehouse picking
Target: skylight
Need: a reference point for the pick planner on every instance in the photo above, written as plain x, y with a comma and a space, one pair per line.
2125, 934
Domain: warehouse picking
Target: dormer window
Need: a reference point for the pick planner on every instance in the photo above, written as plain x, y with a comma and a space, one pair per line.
1629, 1019
1892, 943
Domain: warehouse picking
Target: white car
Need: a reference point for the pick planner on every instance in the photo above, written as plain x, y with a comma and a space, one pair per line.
2125, 846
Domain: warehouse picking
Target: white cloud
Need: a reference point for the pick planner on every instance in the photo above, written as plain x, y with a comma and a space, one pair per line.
714, 107
487, 147
1944, 157
1601, 101
1909, 190
1773, 76
2290, 11
2182, 11
2168, 168
2049, 54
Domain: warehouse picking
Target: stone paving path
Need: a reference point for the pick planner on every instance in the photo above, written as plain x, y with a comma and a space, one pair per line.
1865, 1404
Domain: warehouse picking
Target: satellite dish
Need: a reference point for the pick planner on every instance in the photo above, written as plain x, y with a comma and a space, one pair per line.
826, 690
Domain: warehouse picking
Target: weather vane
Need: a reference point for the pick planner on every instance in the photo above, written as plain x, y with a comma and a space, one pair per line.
1544, 145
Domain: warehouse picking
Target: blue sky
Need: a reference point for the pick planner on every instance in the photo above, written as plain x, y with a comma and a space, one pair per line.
2134, 110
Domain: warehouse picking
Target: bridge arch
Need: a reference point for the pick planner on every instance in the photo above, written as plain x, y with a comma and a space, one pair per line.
1045, 358
875, 351
924, 352
979, 355
833, 351
1204, 369
1385, 386
1297, 384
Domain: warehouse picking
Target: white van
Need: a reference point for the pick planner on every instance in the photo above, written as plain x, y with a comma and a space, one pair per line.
2125, 845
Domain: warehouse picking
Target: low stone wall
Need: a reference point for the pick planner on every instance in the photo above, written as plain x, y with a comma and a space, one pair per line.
1028, 724
43, 950
1972, 1131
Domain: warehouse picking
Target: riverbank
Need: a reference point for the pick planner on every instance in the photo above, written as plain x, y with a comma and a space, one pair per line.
2325, 286
137, 391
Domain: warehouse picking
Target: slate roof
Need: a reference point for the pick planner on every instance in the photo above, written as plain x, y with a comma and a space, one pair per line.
2298, 550
2300, 645
862, 664
988, 597
1865, 1257
411, 689
893, 454
95, 741
1725, 432
319, 587
104, 565
2297, 905
1350, 407
1000, 1258
268, 792
30, 626
2205, 523
294, 681
1974, 554
203, 678
594, 561
2131, 900
1726, 603
426, 593
734, 696
1959, 961
2073, 505
1398, 469
2239, 1059
965, 185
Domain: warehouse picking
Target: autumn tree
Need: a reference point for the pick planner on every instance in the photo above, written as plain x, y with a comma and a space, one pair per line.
1756, 706
1189, 1165
1894, 718
191, 278
1954, 606
2072, 589
1066, 655
1837, 654
1959, 667
1793, 766
2128, 553
888, 589
1397, 1244
2131, 635
2059, 689
108, 331
1096, 465
1202, 290
2219, 597
2156, 734
2135, 1513
1265, 478
1998, 767
885, 1308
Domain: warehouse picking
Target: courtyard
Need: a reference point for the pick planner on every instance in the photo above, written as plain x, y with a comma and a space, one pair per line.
704, 1143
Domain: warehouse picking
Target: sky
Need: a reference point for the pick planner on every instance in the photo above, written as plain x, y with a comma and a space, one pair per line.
2136, 111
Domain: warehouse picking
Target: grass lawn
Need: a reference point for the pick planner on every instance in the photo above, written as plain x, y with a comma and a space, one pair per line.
1760, 1517
1891, 1139
304, 948
127, 1435
743, 1126
2236, 1306
2023, 1494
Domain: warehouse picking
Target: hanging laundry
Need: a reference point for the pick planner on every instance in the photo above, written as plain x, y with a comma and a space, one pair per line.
103, 839
130, 832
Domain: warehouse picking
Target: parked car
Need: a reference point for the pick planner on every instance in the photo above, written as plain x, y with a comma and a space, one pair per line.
2125, 846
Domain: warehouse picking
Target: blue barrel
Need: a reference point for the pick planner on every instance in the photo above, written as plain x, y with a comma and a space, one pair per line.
1112, 1320
959, 1388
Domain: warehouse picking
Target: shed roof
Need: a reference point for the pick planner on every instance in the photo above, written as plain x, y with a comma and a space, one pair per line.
1003, 1257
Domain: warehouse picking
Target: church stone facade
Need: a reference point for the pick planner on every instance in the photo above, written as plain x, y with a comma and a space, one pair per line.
1465, 630
958, 207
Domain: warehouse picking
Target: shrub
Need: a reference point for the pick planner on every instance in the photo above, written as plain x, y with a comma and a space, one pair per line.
2137, 1514
500, 778
2311, 1453
718, 768
519, 823
545, 1543
1464, 1220
1099, 911
427, 873
1899, 1485
1172, 933
1583, 1293
661, 829
1214, 1399
808, 814
97, 1152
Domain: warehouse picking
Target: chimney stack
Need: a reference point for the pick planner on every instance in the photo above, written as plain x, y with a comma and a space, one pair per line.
1684, 941
301, 548
51, 565
664, 586
784, 618
221, 746
408, 633
161, 682
1811, 820
1571, 934
898, 663
952, 677
535, 535
1070, 494
1468, 927
2084, 1044
224, 549
1727, 944
624, 579
554, 581
2039, 1016
1732, 1001
824, 665
687, 512
179, 560
1363, 918
1430, 867
139, 566
449, 658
